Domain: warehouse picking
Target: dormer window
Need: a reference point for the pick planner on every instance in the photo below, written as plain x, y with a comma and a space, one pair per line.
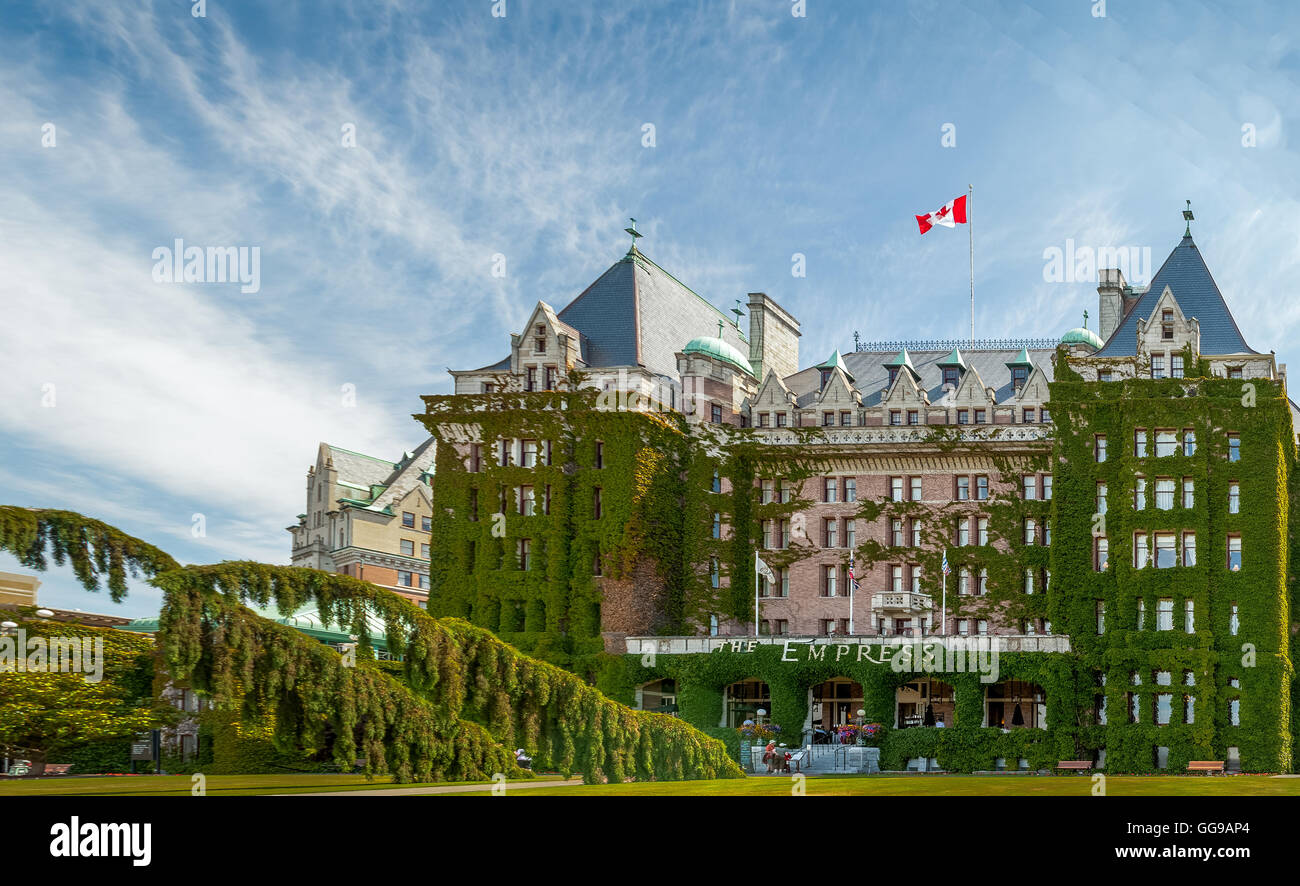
893, 374
539, 341
1167, 325
1019, 375
826, 377
951, 376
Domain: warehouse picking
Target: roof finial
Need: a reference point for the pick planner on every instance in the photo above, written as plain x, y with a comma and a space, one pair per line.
1085, 318
738, 312
719, 329
635, 236
1187, 214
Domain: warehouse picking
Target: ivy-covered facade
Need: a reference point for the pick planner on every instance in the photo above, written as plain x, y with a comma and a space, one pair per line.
1138, 600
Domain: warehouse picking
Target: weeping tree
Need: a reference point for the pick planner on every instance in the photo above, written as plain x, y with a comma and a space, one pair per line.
464, 700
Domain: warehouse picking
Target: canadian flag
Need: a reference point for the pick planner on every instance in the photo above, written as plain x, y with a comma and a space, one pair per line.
948, 215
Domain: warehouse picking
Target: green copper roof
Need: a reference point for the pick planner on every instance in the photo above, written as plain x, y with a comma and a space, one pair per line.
835, 361
307, 620
1083, 336
904, 361
1022, 359
954, 359
718, 349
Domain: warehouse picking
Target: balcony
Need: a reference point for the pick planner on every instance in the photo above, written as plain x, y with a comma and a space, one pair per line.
901, 602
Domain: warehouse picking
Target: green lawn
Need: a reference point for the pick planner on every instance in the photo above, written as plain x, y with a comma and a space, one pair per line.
941, 785
179, 785
756, 786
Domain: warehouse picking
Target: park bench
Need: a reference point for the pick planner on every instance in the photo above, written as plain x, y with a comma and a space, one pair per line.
796, 760
1077, 765
1205, 766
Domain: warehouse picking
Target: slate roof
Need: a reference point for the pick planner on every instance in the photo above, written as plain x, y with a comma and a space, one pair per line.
1186, 275
637, 314
870, 370
397, 478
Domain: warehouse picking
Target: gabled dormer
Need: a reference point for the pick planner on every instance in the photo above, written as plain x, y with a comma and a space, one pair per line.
838, 390
905, 388
833, 363
773, 405
1035, 388
542, 355
901, 365
1020, 367
971, 392
951, 370
1164, 334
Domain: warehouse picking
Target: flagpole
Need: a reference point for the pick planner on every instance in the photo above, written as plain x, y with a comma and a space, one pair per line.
970, 199
943, 613
852, 582
756, 580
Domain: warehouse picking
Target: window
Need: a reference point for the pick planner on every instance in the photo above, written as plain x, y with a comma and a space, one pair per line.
981, 488
717, 525
1164, 707
895, 488
766, 488
550, 378
896, 578
1099, 448
913, 417
424, 551
716, 485
475, 458
546, 500
1189, 493
963, 581
1047, 487
1142, 613
426, 523
1140, 443
600, 454
404, 578
1141, 555
715, 577
963, 416
717, 414
850, 534
1140, 494
1166, 443
980, 417
850, 489
506, 456
408, 519
1233, 623
1029, 582
1105, 375
596, 503
1234, 712
1164, 493
846, 419
1045, 417
1031, 531
951, 376
1234, 372
473, 504
763, 419
1102, 557
785, 534
830, 533
1234, 552
830, 489
829, 575
1101, 617
915, 489
1030, 484
1102, 490
527, 500
963, 627
767, 534
1189, 548
963, 489
531, 383
1029, 416
982, 627
1167, 325
1234, 498
895, 417
524, 550
1189, 616
916, 533
896, 532
407, 547
780, 419
539, 341
963, 532
982, 583
1157, 365
1189, 442
982, 531
1019, 375
916, 578
1164, 614
828, 419
1176, 366
1234, 447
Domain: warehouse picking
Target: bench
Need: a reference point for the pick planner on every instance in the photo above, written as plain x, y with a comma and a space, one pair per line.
57, 768
1205, 766
1077, 765
796, 761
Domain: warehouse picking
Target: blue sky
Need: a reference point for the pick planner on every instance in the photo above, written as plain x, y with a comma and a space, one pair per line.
522, 135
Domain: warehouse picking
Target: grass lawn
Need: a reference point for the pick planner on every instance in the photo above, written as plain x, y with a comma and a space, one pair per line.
941, 785
179, 785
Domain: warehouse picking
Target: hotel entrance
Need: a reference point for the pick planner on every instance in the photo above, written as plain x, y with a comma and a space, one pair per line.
924, 702
834, 703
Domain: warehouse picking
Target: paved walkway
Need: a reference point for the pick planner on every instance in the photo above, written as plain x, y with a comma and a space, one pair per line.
511, 787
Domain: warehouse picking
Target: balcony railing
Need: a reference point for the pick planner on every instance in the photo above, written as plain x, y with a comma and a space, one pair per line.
904, 601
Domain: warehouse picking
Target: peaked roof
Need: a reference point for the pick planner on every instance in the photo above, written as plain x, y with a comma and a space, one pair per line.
637, 314
904, 360
1021, 359
394, 479
1186, 275
835, 361
953, 359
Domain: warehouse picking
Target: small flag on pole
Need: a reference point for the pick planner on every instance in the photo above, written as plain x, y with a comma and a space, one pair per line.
763, 569
852, 580
949, 215
946, 570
